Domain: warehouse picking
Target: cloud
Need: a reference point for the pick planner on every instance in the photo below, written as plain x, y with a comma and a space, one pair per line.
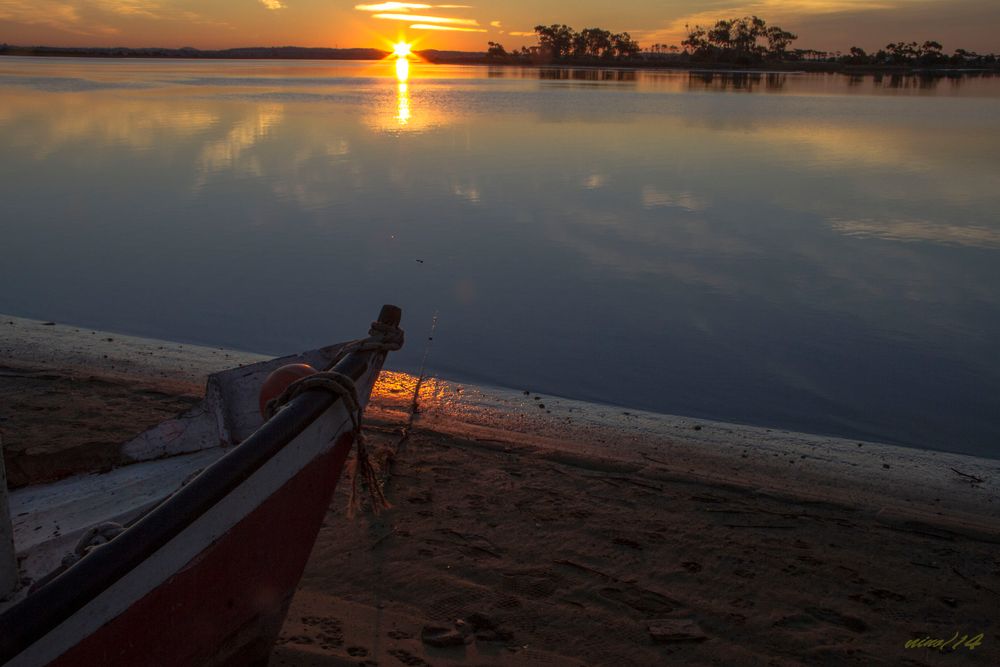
130, 8
400, 11
391, 7
273, 4
918, 230
405, 7
496, 24
22, 11
426, 19
62, 16
428, 26
522, 33
94, 17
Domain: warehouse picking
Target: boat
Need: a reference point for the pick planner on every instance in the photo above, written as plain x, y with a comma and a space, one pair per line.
190, 554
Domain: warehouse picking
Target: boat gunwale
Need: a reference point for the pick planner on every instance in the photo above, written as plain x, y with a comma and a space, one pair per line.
41, 611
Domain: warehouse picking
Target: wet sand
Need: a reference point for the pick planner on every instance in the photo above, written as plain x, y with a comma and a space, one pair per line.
572, 534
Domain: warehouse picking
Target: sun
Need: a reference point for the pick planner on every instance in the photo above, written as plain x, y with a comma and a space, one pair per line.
401, 49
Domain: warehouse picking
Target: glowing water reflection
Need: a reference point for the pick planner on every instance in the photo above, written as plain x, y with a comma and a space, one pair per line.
413, 108
818, 255
403, 104
402, 70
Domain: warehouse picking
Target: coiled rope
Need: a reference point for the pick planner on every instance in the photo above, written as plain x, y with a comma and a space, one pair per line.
91, 539
381, 338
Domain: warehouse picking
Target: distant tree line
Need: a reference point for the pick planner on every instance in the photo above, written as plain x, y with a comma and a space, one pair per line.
560, 43
747, 40
928, 54
750, 40
740, 41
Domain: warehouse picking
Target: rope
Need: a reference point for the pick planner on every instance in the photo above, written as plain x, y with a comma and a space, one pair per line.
94, 537
382, 338
414, 408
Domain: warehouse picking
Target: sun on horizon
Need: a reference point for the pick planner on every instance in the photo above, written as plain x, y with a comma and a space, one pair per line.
402, 49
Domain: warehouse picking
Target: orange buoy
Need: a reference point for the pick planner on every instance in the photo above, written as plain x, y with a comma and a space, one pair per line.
279, 379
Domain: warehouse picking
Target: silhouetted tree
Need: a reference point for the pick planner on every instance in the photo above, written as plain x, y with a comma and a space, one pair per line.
555, 41
778, 41
596, 42
930, 53
624, 46
721, 35
560, 42
496, 50
901, 53
739, 40
697, 41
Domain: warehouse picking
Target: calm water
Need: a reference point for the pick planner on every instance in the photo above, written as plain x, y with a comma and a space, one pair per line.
808, 252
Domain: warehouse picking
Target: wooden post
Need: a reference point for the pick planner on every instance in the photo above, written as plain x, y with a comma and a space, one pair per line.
8, 562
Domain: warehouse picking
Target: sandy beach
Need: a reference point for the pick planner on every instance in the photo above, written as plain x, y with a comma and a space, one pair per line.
537, 530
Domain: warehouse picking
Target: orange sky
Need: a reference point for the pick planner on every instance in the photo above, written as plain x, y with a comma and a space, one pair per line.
821, 24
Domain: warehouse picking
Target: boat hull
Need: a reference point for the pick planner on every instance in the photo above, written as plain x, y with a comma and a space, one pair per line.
206, 576
216, 593
225, 606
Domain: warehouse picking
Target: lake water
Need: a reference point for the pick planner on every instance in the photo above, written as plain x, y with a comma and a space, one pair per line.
810, 252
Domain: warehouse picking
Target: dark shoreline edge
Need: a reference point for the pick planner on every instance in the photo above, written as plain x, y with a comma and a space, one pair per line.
476, 58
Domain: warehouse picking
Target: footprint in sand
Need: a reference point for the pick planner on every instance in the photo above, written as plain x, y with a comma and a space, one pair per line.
883, 594
836, 618
642, 600
301, 640
797, 622
330, 633
408, 658
625, 542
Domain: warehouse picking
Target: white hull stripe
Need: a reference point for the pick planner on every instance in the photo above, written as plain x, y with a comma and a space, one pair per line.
179, 551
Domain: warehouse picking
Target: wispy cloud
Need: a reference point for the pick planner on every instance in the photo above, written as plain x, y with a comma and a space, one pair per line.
451, 28
496, 24
522, 33
59, 15
135, 8
426, 19
94, 17
391, 7
918, 230
405, 7
273, 4
402, 11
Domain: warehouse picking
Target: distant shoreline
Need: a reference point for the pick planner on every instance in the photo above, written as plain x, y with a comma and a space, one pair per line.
241, 53
477, 58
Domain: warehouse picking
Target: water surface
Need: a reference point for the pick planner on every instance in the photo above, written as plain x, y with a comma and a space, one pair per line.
811, 252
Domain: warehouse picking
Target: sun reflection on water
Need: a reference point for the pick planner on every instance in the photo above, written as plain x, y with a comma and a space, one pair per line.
405, 111
402, 91
402, 105
402, 70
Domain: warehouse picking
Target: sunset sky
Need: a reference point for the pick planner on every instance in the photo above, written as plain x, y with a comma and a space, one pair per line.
821, 24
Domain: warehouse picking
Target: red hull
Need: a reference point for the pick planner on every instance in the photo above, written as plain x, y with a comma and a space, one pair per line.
226, 606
